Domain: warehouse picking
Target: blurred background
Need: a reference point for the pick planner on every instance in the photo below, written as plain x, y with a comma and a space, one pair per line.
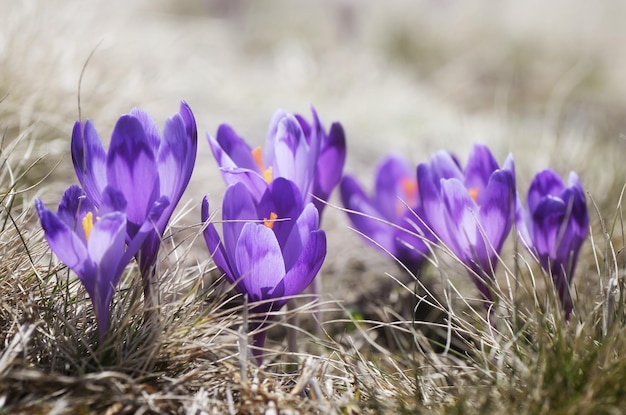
542, 80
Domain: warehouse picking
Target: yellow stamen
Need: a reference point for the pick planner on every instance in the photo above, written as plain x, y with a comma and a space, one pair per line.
267, 174
473, 192
270, 222
88, 224
257, 155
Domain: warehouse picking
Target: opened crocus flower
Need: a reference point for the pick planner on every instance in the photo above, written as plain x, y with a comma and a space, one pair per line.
470, 211
554, 226
92, 242
272, 248
390, 218
294, 149
143, 166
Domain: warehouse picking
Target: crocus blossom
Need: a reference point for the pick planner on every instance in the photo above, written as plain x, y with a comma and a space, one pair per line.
271, 248
294, 149
554, 226
143, 166
471, 211
394, 201
92, 242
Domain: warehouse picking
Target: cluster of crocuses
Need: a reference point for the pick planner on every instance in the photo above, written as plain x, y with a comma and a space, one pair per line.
272, 246
127, 197
471, 211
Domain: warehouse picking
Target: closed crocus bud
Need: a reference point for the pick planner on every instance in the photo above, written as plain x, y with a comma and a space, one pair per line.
554, 226
391, 217
271, 249
471, 211
143, 165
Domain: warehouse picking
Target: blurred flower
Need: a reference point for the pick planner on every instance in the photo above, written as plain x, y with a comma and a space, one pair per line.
143, 166
395, 202
271, 249
554, 226
294, 149
470, 211
92, 242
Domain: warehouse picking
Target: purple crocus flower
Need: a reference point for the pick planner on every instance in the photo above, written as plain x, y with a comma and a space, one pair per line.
395, 202
471, 211
554, 226
294, 149
143, 166
92, 242
271, 249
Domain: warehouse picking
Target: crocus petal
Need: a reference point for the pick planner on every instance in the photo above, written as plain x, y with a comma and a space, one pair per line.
65, 244
432, 204
216, 248
259, 261
308, 265
316, 136
89, 159
444, 166
330, 164
107, 240
149, 127
292, 157
237, 208
146, 229
391, 173
410, 246
106, 248
254, 182
545, 183
369, 220
132, 169
547, 219
112, 201
304, 124
480, 165
496, 211
269, 154
284, 200
176, 159
230, 150
462, 219
574, 229
299, 235
72, 209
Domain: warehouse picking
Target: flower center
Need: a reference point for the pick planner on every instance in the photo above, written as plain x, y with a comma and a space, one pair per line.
88, 224
409, 189
270, 222
473, 192
257, 155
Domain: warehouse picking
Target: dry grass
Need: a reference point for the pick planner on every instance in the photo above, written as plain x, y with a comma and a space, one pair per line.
390, 342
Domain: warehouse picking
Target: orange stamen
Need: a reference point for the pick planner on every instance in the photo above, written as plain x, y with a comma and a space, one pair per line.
409, 187
257, 155
473, 192
270, 222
